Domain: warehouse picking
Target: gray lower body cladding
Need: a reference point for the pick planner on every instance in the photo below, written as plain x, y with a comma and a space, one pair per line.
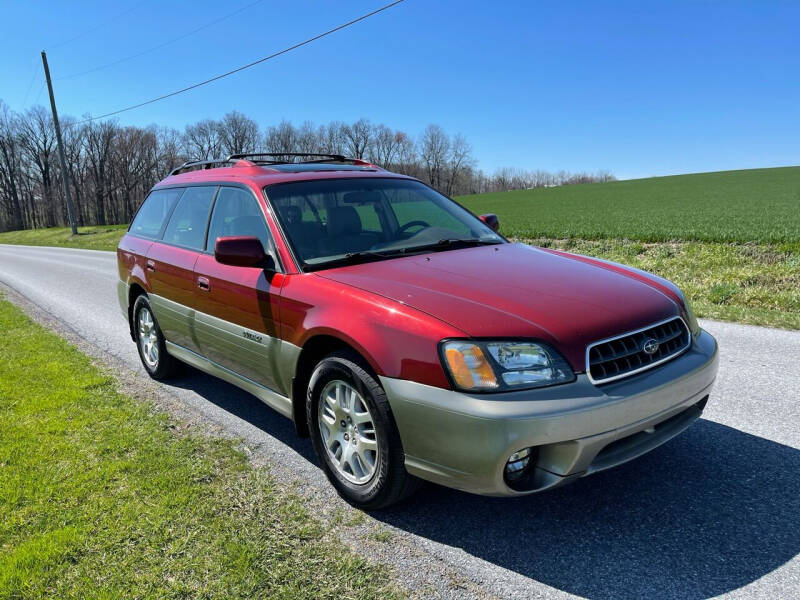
230, 351
464, 440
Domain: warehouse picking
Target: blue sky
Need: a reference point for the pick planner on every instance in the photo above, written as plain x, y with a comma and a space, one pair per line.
638, 88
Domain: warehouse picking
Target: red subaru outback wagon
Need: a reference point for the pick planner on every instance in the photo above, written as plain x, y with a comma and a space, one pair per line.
402, 333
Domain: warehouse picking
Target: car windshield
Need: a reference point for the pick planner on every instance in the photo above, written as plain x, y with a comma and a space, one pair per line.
331, 221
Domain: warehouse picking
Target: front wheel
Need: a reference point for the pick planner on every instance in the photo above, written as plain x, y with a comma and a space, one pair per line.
150, 341
354, 435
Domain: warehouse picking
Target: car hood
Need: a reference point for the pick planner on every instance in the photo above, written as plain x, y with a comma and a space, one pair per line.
514, 290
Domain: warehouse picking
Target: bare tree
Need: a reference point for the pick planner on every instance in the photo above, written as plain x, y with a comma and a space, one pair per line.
307, 138
202, 140
10, 168
135, 155
281, 138
237, 133
75, 157
333, 138
358, 137
170, 153
385, 145
459, 163
407, 161
98, 145
434, 149
111, 169
38, 142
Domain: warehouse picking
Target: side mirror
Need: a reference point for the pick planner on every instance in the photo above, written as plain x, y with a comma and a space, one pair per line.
491, 220
242, 251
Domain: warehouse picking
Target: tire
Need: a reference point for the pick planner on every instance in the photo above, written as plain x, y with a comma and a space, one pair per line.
150, 341
366, 484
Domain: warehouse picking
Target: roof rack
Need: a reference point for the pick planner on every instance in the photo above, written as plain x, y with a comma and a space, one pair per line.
279, 158
207, 164
268, 158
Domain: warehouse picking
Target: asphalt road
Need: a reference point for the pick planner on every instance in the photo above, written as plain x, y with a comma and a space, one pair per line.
714, 512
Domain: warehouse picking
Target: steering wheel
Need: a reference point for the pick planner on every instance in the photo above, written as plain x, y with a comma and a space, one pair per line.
411, 224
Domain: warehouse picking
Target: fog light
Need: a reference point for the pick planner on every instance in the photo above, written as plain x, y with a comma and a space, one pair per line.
517, 462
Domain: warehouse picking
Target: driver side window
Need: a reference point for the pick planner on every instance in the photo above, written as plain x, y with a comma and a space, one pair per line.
236, 212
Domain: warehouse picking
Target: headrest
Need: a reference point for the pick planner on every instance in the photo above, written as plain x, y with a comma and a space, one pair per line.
343, 220
362, 198
292, 214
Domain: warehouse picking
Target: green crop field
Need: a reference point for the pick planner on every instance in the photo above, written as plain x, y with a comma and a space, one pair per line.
759, 205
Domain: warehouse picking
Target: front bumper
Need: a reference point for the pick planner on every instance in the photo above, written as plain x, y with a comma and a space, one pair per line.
463, 440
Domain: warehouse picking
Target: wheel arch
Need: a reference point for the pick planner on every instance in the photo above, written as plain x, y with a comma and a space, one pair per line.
135, 289
313, 350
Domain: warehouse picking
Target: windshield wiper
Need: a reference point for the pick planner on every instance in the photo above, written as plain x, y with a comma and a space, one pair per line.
366, 255
355, 258
373, 253
448, 243
444, 243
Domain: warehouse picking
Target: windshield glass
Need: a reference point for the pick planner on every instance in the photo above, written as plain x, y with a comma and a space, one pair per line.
331, 220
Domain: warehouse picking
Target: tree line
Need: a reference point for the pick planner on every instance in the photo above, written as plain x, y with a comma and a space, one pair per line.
111, 167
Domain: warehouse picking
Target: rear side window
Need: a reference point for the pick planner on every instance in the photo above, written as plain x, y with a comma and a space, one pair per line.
236, 212
187, 225
154, 212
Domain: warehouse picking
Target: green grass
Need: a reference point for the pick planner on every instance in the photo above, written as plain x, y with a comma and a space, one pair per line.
100, 237
101, 497
749, 283
759, 205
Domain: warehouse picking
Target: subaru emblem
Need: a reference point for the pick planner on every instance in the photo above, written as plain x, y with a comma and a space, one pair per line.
650, 346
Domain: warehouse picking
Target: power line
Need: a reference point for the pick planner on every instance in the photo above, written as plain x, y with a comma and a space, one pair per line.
72, 39
41, 89
30, 85
247, 66
98, 26
159, 46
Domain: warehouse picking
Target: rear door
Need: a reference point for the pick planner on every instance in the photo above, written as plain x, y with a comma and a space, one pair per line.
237, 307
170, 265
147, 225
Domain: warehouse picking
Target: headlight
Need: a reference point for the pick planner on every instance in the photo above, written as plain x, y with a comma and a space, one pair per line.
485, 366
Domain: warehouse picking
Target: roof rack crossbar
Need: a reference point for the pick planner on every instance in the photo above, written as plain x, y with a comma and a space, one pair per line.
279, 158
206, 164
280, 155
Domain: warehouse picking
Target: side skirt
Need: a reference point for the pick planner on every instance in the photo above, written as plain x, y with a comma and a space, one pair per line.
272, 399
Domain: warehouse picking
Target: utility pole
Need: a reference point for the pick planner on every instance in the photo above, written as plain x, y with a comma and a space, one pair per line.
64, 177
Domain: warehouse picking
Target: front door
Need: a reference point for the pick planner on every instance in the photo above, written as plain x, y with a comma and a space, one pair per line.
237, 307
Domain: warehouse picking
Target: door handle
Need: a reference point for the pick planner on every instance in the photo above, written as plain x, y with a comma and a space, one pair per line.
203, 284
150, 265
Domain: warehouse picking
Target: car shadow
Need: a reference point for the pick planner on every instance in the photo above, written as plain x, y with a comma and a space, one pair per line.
243, 405
711, 511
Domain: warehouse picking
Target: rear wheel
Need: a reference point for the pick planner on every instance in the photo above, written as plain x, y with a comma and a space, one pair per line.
150, 341
354, 435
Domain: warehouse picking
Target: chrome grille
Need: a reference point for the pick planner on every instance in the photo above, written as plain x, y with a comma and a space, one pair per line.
636, 351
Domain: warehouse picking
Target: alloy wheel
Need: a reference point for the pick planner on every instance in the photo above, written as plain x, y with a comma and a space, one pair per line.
348, 432
148, 337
